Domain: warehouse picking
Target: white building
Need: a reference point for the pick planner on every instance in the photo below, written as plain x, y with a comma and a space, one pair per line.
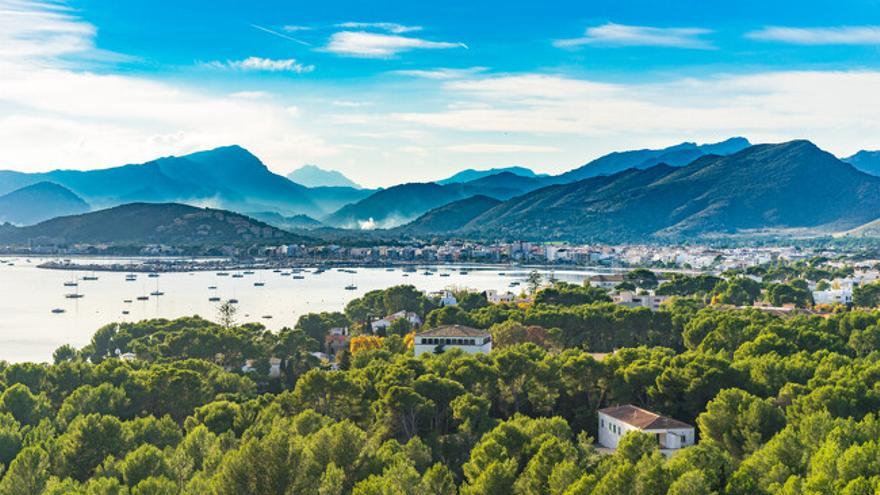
470, 340
833, 296
615, 422
384, 323
495, 297
448, 299
632, 299
606, 281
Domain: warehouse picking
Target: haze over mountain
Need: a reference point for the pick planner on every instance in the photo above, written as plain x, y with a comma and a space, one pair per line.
38, 202
866, 161
676, 156
314, 176
400, 204
230, 177
150, 223
450, 217
472, 174
792, 185
295, 222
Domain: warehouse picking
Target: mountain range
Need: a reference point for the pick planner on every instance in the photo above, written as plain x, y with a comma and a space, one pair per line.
683, 191
676, 156
149, 223
228, 177
400, 204
314, 176
792, 185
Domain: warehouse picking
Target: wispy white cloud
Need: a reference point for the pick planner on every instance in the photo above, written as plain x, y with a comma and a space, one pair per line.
611, 34
843, 35
441, 73
837, 109
391, 27
349, 103
498, 148
264, 64
373, 45
292, 28
53, 114
250, 95
47, 33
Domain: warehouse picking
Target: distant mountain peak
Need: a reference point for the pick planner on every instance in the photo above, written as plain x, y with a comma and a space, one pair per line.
865, 160
471, 174
38, 202
315, 176
677, 155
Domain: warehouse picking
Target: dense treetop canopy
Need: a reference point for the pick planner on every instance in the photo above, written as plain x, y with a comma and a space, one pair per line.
781, 405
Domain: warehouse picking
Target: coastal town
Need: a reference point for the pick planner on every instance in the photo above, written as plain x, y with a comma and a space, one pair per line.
674, 257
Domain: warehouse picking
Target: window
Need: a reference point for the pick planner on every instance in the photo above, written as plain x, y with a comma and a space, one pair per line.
601, 423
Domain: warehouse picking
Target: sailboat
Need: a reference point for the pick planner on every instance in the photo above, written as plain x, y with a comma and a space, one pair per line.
145, 296
157, 292
74, 295
213, 298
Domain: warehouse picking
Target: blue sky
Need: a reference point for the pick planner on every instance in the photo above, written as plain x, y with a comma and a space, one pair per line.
406, 91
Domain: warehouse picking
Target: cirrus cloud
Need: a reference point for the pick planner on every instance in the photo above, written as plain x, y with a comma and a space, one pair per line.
843, 35
391, 27
612, 34
373, 45
264, 64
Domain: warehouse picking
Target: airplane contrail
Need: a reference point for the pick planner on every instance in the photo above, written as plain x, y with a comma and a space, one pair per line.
280, 35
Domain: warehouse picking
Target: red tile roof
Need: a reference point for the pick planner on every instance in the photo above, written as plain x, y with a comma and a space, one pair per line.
642, 419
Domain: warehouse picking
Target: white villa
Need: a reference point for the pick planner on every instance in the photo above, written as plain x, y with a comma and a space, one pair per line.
615, 422
833, 296
470, 340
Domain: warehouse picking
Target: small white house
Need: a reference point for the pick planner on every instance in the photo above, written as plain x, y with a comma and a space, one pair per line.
447, 298
470, 340
384, 323
606, 281
615, 422
495, 297
632, 299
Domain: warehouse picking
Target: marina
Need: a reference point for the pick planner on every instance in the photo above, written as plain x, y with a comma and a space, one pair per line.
33, 328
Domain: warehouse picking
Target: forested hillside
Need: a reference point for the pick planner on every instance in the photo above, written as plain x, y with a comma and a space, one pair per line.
782, 405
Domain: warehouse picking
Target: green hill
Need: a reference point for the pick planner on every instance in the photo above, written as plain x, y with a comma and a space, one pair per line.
450, 217
150, 223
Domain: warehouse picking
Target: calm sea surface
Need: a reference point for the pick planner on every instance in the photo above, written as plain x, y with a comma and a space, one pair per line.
30, 331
